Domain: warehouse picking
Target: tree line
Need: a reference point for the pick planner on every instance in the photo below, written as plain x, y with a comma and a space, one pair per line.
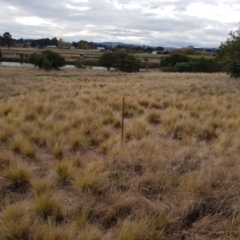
7, 40
48, 60
178, 62
227, 59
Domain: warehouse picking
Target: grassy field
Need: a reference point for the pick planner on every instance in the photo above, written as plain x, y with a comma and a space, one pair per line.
73, 54
61, 51
65, 173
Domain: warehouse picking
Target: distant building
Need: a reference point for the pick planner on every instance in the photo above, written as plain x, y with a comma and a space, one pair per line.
172, 49
161, 52
51, 46
101, 49
203, 49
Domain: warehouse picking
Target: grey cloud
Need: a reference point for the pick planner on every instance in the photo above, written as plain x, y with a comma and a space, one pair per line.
112, 24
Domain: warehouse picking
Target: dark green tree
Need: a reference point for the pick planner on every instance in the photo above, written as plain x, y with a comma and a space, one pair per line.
125, 62
206, 65
75, 44
159, 48
173, 59
7, 39
1, 40
34, 44
47, 65
54, 41
198, 65
138, 48
229, 54
120, 60
56, 59
185, 67
0, 53
106, 60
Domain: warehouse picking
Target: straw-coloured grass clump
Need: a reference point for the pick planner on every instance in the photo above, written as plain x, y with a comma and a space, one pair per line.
18, 174
66, 171
15, 222
47, 205
92, 178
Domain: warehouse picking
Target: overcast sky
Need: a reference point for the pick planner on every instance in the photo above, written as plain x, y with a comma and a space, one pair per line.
176, 23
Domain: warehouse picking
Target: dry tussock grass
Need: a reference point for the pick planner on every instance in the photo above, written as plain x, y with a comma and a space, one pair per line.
175, 176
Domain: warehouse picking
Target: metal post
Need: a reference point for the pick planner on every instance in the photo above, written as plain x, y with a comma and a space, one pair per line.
123, 106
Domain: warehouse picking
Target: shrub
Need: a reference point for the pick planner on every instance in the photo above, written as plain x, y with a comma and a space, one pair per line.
91, 62
125, 62
47, 65
206, 65
120, 60
21, 55
106, 60
187, 51
184, 67
78, 64
198, 65
56, 59
168, 69
173, 59
149, 64
229, 54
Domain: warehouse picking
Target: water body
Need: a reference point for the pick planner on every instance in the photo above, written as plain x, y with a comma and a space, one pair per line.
17, 64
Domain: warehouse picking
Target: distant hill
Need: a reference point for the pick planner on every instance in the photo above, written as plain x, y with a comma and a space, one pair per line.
113, 44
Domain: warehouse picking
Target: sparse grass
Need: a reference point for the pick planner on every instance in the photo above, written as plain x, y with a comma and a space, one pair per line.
153, 118
144, 103
111, 119
91, 232
6, 132
5, 160
133, 230
81, 217
158, 183
52, 232
137, 130
65, 173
